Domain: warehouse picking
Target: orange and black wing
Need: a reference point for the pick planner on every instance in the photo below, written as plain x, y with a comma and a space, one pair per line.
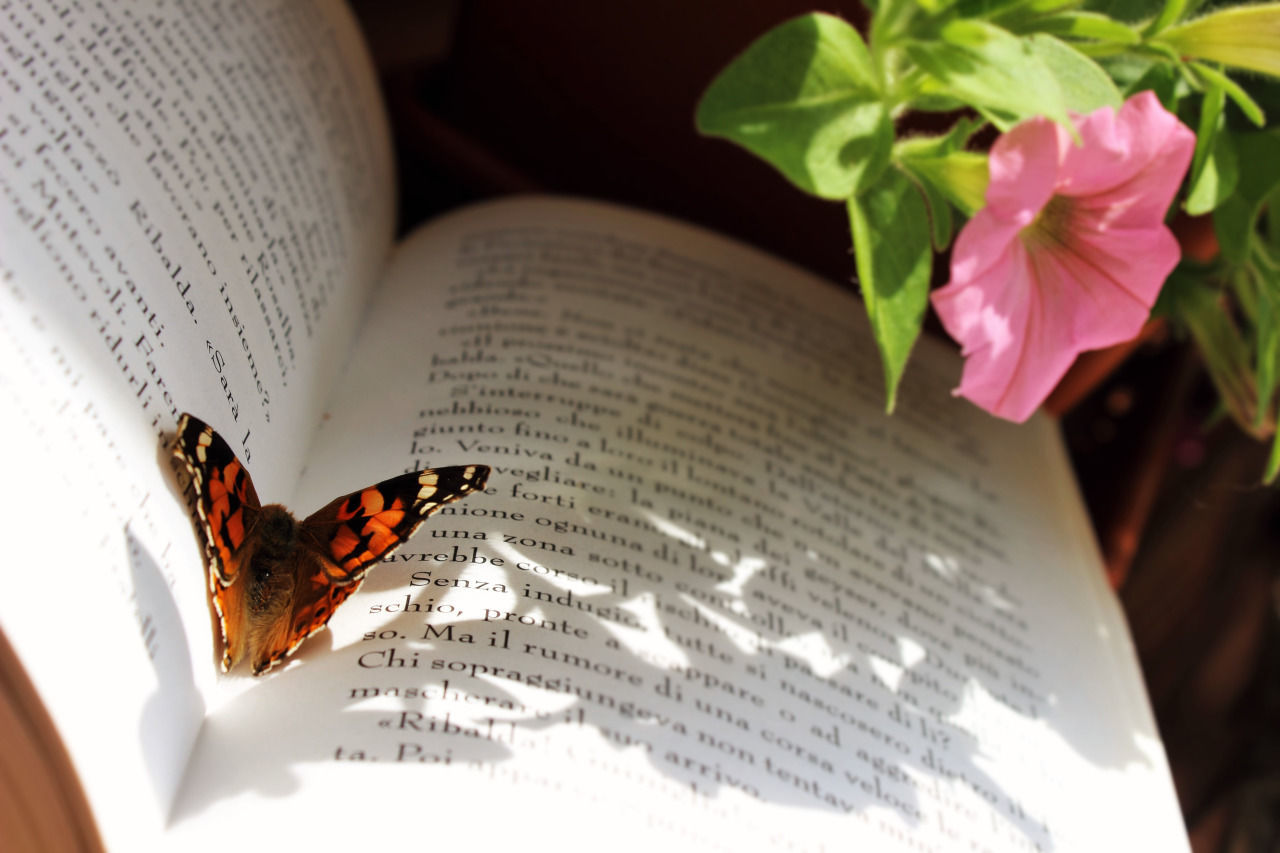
228, 506
225, 497
343, 539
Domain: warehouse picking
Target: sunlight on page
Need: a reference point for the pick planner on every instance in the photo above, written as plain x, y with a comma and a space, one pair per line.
678, 533
835, 629
742, 637
815, 652
911, 651
743, 571
889, 673
95, 530
712, 597
141, 247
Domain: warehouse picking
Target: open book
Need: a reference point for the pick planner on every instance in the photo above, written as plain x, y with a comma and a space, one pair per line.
711, 598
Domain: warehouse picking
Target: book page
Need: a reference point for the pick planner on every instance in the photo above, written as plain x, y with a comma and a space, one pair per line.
712, 596
194, 199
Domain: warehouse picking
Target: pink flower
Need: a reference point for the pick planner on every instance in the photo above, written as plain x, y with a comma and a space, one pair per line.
1069, 252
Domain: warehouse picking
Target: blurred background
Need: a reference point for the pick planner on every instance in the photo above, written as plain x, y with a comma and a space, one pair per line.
597, 99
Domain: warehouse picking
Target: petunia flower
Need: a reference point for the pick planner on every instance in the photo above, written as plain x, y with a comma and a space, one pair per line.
1069, 252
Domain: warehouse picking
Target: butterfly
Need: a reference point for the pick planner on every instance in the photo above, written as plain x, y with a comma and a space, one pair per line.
275, 580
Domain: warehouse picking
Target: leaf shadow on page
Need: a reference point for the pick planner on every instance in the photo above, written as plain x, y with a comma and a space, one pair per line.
171, 716
298, 715
846, 702
771, 643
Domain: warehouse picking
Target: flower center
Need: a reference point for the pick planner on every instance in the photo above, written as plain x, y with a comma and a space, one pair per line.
1052, 226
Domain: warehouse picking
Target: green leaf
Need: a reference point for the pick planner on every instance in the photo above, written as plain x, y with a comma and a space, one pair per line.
1172, 11
1084, 85
926, 102
1006, 13
1021, 17
1239, 36
1235, 218
1213, 167
960, 176
804, 98
933, 7
1268, 354
1242, 99
1126, 10
946, 174
1088, 25
892, 249
1256, 285
893, 17
986, 8
1217, 179
1197, 306
1210, 121
991, 69
1271, 234
940, 219
950, 142
1232, 223
1273, 461
1162, 78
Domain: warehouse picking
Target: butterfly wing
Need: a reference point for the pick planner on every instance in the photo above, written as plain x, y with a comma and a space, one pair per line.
342, 540
228, 506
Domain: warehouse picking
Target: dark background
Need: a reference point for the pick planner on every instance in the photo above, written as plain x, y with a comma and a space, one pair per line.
597, 99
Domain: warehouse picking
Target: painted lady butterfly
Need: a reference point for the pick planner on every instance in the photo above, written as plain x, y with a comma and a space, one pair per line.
275, 580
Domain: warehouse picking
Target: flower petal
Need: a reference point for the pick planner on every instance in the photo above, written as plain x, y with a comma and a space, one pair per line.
1023, 166
1115, 276
968, 309
1069, 253
980, 246
1023, 323
1046, 348
1130, 163
1014, 354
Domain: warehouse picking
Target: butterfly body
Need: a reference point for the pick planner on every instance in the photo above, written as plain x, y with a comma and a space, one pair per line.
275, 580
270, 573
